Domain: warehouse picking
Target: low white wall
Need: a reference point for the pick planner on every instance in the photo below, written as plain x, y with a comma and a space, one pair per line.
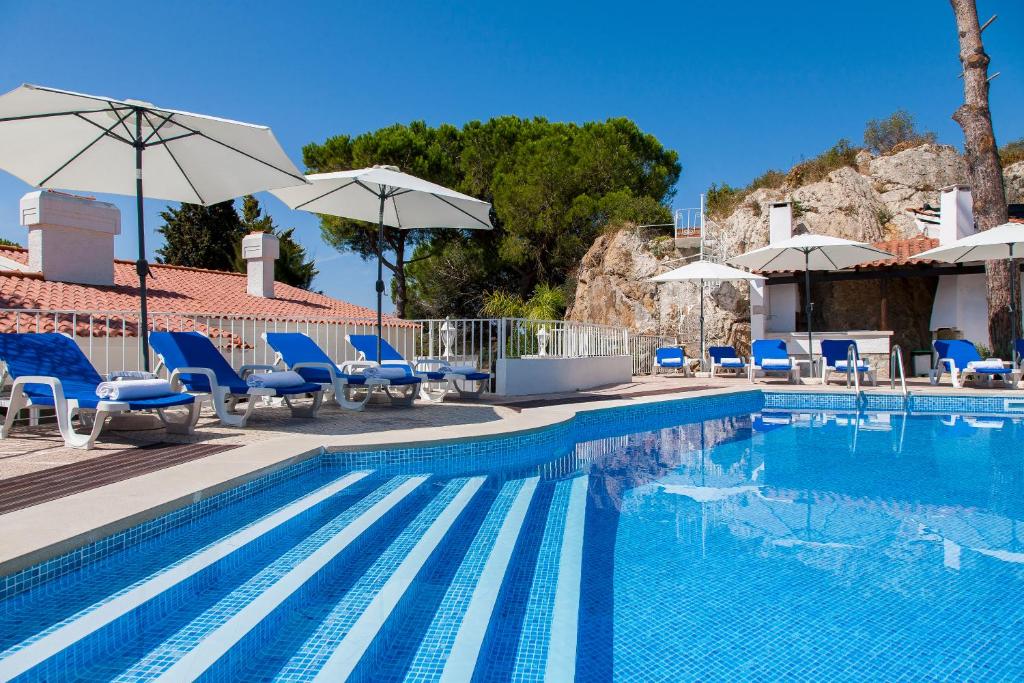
521, 376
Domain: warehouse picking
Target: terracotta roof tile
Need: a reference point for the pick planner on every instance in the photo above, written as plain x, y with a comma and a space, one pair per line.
903, 251
172, 290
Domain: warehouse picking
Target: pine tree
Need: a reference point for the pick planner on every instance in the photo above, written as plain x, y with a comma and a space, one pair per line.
291, 267
200, 236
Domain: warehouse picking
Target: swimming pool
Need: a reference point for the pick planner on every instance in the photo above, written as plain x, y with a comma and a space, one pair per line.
715, 539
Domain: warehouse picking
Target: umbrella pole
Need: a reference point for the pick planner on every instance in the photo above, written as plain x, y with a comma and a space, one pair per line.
141, 266
702, 354
1013, 306
380, 274
809, 306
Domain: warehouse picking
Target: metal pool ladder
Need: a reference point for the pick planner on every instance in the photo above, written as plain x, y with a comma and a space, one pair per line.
896, 366
852, 366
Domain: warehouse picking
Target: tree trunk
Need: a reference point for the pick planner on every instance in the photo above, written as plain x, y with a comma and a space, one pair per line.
983, 163
400, 297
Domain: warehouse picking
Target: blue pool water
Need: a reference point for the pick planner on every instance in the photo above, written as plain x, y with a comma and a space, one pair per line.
699, 540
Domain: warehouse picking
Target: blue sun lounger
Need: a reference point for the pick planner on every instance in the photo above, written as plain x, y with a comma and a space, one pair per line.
770, 356
834, 357
303, 355
436, 378
50, 370
725, 359
960, 358
672, 358
196, 364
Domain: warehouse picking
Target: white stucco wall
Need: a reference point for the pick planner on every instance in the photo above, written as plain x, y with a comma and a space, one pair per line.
961, 303
522, 376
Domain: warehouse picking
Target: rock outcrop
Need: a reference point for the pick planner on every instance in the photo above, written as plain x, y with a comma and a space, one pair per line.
866, 203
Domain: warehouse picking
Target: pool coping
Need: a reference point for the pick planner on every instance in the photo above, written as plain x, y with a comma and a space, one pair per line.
35, 534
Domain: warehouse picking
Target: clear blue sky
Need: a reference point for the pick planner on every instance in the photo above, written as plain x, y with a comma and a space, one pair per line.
735, 88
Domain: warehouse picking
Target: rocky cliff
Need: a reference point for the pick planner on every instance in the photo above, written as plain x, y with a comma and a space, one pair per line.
865, 203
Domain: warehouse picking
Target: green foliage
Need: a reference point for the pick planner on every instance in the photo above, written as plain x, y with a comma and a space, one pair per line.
817, 168
882, 136
8, 243
1011, 152
292, 266
554, 188
722, 200
547, 303
200, 236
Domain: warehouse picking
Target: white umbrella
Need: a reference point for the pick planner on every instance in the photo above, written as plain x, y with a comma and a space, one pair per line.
1004, 241
809, 252
703, 271
58, 139
386, 196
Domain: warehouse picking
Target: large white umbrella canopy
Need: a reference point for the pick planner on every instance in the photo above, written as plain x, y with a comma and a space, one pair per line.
704, 271
1002, 242
805, 253
386, 196
65, 140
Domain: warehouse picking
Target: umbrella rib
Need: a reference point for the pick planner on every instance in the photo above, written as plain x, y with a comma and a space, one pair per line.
316, 199
79, 153
398, 218
163, 120
963, 256
249, 156
773, 258
110, 132
486, 225
825, 254
29, 117
175, 160
124, 125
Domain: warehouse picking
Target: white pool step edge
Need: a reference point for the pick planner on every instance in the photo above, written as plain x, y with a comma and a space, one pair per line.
347, 655
561, 663
216, 644
65, 636
462, 660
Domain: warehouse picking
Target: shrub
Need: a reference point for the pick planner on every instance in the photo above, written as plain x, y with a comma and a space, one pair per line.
1012, 152
817, 168
882, 136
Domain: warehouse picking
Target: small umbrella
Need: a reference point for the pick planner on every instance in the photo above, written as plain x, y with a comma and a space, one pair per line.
59, 139
809, 252
1004, 241
386, 196
702, 271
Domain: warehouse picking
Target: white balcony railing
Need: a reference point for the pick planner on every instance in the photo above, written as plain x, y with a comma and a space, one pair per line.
110, 338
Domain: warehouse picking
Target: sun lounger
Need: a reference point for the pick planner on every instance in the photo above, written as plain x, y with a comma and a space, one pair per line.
50, 370
960, 358
834, 356
435, 378
672, 358
725, 359
196, 364
303, 355
770, 357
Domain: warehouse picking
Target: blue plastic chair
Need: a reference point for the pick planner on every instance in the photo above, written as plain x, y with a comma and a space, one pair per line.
834, 354
672, 358
770, 356
725, 358
50, 370
195, 363
303, 355
960, 358
437, 378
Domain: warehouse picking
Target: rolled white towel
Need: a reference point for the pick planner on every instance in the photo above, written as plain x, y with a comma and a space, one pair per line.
132, 390
386, 372
275, 380
986, 365
775, 363
730, 361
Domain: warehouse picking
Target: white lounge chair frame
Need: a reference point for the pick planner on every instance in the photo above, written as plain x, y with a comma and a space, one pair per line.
349, 396
67, 409
449, 383
792, 373
867, 375
959, 376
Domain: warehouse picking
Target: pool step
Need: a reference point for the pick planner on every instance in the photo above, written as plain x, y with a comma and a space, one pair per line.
157, 592
473, 592
552, 610
350, 630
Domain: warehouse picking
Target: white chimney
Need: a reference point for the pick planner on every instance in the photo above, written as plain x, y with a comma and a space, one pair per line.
260, 250
70, 239
956, 213
780, 221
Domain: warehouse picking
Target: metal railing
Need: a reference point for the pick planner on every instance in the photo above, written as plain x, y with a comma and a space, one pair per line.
896, 366
853, 367
111, 338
